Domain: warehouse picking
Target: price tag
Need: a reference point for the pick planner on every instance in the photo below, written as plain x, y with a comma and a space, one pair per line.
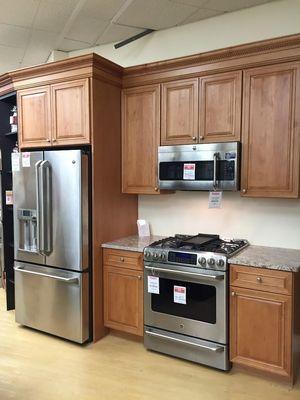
26, 159
215, 199
189, 171
153, 284
9, 198
179, 294
15, 162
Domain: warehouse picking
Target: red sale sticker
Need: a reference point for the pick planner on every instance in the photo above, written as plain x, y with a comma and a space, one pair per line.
189, 171
179, 294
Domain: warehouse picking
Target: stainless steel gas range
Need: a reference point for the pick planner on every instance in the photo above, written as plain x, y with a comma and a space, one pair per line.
186, 297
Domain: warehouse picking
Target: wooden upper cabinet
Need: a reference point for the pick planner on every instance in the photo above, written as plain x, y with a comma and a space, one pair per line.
179, 111
220, 107
270, 165
140, 139
70, 104
261, 331
34, 114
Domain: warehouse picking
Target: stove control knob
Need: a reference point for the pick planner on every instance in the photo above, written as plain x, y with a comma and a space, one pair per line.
163, 257
155, 256
202, 261
220, 263
147, 254
211, 262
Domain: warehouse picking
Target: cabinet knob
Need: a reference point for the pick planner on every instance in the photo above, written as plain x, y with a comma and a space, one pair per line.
53, 140
201, 137
122, 259
244, 191
259, 279
194, 138
139, 277
48, 140
232, 294
156, 188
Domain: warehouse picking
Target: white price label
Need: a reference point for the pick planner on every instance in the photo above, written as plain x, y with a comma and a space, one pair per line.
189, 171
180, 294
15, 162
26, 159
153, 284
215, 199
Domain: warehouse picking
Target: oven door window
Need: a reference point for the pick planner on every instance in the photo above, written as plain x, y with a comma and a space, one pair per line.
204, 170
200, 300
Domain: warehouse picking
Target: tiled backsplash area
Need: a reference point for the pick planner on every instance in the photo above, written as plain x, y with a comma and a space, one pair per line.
266, 222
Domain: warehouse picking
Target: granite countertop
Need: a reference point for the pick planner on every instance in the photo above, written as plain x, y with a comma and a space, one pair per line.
268, 257
132, 243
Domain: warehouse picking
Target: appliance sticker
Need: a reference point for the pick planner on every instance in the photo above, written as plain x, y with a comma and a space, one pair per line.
215, 199
15, 162
180, 294
9, 198
26, 159
153, 284
189, 171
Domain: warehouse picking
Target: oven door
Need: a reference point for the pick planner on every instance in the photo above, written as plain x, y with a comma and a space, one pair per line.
189, 301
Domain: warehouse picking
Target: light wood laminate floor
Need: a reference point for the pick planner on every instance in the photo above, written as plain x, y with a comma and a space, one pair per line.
36, 366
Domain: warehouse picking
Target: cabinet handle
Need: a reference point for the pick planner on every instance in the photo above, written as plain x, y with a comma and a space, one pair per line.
259, 279
232, 294
122, 259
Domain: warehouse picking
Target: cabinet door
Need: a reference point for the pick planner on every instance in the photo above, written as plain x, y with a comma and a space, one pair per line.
179, 123
220, 107
34, 114
261, 331
270, 165
140, 139
123, 300
70, 104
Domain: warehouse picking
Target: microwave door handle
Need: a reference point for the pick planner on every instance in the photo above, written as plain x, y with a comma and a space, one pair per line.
38, 206
216, 157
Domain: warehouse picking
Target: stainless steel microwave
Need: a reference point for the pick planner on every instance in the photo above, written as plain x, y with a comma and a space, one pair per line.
213, 166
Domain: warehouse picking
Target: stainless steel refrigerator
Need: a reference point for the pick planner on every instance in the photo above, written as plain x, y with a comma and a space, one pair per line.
51, 242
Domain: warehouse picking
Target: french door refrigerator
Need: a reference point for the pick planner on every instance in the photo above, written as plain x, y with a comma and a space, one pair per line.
51, 241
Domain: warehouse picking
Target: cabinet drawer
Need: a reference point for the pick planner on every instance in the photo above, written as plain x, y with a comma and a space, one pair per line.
123, 258
261, 279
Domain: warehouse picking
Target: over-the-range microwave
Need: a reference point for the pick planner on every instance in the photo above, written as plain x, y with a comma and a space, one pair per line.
213, 166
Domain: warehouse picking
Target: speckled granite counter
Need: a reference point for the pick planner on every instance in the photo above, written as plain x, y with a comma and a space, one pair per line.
269, 257
132, 243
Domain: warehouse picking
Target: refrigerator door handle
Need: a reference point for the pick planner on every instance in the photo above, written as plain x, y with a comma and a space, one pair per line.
56, 277
46, 172
38, 206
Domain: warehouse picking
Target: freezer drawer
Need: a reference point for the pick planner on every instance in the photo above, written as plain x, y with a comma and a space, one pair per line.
52, 300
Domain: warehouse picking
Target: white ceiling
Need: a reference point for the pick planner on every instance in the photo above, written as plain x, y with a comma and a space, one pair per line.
31, 29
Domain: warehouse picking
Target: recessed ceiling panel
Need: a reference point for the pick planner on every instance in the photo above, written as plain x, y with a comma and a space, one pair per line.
86, 29
155, 14
53, 15
103, 9
16, 36
18, 12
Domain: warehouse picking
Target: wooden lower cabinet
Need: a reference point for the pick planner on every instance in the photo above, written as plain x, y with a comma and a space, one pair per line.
123, 296
261, 328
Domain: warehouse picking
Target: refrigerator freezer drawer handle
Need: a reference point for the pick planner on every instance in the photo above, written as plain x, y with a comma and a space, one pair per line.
56, 277
215, 349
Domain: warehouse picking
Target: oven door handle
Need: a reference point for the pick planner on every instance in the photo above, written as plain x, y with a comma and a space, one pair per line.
215, 349
186, 273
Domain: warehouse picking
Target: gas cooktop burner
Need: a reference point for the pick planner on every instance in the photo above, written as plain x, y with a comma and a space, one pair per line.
201, 242
202, 250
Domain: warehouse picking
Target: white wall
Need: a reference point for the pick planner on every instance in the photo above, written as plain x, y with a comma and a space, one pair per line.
270, 222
